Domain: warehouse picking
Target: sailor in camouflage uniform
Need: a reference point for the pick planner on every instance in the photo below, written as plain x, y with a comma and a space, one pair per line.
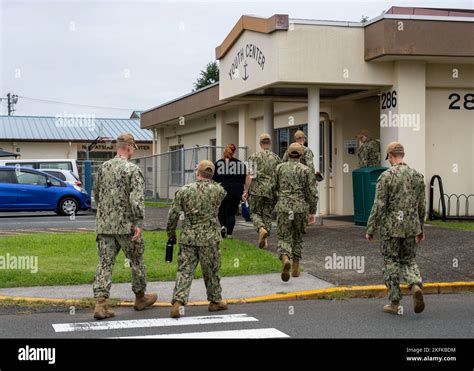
197, 205
307, 156
398, 216
259, 188
118, 192
368, 151
297, 195
306, 159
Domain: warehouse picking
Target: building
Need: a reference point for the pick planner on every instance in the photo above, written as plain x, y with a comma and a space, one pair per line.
407, 75
36, 137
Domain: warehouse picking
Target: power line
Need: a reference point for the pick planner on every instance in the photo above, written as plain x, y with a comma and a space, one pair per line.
76, 104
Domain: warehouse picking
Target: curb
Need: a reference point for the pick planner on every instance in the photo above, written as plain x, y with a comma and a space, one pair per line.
341, 292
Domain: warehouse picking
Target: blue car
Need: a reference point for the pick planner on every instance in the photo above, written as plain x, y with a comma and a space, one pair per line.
24, 189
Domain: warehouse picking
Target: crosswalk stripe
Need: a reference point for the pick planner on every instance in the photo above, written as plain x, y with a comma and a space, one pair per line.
263, 333
154, 322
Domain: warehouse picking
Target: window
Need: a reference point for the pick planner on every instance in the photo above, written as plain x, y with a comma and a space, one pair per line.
285, 136
7, 176
55, 182
56, 174
55, 165
24, 177
176, 165
29, 165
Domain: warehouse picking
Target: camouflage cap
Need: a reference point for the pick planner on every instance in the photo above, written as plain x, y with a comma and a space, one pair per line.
295, 148
206, 167
127, 138
264, 136
300, 134
363, 133
395, 148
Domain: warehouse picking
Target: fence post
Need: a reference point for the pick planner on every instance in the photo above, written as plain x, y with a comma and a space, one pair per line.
88, 176
182, 167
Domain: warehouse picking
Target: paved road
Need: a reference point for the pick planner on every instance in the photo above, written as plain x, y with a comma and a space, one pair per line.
446, 316
44, 221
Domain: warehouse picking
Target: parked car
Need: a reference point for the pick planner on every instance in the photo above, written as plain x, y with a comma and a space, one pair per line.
24, 189
64, 175
44, 164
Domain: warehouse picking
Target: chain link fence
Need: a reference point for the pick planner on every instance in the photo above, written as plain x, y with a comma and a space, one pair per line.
165, 173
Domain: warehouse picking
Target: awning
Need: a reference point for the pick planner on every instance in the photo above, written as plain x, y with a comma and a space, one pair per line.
8, 154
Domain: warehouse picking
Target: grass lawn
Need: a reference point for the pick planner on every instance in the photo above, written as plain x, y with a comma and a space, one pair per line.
454, 224
157, 204
69, 259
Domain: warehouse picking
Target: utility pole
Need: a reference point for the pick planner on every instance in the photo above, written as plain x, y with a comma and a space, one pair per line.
12, 99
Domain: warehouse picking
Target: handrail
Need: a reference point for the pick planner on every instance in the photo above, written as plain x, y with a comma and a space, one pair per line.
431, 214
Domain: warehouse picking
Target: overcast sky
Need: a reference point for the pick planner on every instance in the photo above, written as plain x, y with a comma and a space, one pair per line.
132, 54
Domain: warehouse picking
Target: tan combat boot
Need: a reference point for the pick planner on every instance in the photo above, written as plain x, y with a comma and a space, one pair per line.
285, 268
262, 237
176, 309
295, 268
102, 310
418, 303
215, 307
144, 300
392, 308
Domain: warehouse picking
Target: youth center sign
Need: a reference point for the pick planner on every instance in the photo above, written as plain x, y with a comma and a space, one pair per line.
240, 68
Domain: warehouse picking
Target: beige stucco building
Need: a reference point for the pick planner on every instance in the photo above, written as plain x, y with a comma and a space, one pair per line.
407, 75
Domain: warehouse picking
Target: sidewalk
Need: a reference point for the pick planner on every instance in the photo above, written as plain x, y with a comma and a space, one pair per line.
232, 287
445, 256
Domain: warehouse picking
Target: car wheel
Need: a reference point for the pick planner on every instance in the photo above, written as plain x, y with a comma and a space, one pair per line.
68, 206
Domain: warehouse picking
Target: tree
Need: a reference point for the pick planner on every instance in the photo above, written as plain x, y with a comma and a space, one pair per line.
208, 76
364, 19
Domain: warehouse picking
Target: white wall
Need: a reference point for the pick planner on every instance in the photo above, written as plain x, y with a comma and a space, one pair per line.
450, 141
39, 150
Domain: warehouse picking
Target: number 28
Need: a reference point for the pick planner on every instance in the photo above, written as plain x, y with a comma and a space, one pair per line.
468, 101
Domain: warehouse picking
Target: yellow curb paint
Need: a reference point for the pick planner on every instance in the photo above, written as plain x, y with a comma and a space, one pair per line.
357, 291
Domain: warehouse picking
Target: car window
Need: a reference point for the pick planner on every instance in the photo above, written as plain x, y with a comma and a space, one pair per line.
55, 182
55, 165
28, 165
7, 176
24, 177
57, 174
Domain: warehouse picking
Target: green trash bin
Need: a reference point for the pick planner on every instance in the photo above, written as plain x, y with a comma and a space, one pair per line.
364, 181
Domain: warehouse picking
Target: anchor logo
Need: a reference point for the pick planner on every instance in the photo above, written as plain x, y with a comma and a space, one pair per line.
245, 76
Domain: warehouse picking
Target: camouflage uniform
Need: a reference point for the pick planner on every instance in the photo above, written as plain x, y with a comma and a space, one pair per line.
368, 153
297, 195
306, 159
261, 191
198, 203
397, 217
119, 195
